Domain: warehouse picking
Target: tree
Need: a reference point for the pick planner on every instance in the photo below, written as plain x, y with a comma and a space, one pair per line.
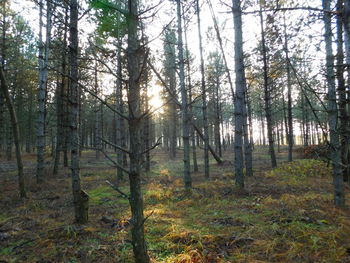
204, 96
135, 54
169, 65
289, 94
267, 92
43, 72
240, 103
339, 197
80, 198
184, 101
14, 122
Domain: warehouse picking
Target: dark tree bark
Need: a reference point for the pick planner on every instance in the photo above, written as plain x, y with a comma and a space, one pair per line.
15, 130
339, 196
119, 107
135, 56
80, 198
267, 93
344, 135
289, 92
184, 103
61, 100
240, 94
193, 139
43, 72
204, 97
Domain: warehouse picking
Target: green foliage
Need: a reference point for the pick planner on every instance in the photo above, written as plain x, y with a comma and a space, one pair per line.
111, 23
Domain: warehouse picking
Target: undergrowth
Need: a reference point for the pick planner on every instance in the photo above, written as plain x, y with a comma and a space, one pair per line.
285, 215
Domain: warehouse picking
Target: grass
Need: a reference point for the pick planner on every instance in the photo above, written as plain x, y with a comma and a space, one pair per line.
283, 215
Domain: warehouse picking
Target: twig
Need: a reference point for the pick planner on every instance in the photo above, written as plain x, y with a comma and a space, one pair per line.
114, 145
154, 146
117, 165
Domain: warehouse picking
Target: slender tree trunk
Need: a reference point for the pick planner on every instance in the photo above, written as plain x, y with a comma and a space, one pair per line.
250, 120
240, 91
2, 123
217, 121
29, 124
192, 130
204, 97
263, 129
267, 94
134, 58
9, 141
119, 107
146, 126
80, 198
346, 21
344, 136
61, 101
43, 72
339, 197
2, 99
289, 90
248, 154
98, 121
184, 103
15, 127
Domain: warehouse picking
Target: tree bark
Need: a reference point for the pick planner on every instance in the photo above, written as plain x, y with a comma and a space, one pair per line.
184, 103
204, 97
134, 57
43, 72
61, 102
289, 92
192, 132
15, 128
119, 106
80, 198
339, 197
267, 93
239, 102
344, 136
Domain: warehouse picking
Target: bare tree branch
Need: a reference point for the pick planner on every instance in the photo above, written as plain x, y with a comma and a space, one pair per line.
154, 146
114, 187
114, 145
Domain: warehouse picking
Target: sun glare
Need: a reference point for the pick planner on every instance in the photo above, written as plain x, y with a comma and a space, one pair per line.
155, 100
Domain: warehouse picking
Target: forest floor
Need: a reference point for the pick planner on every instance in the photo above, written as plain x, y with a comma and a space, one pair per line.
283, 215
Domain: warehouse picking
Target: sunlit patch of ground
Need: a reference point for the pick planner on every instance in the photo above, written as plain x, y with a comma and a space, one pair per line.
283, 215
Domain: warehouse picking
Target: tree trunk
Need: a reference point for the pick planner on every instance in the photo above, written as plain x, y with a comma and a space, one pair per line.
267, 94
339, 197
346, 21
11, 109
98, 120
289, 87
61, 95
344, 136
184, 103
80, 198
134, 57
240, 91
43, 72
204, 97
192, 131
218, 119
119, 106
